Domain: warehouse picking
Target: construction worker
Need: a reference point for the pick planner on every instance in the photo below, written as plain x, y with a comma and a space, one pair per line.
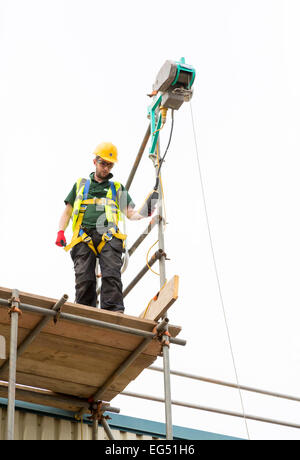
95, 205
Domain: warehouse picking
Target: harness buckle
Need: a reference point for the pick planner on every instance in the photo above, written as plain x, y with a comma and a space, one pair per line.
86, 239
109, 235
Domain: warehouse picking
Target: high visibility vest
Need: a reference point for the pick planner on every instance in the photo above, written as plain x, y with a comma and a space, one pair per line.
112, 209
112, 213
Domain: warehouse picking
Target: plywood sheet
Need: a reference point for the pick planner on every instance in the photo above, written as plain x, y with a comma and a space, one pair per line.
162, 301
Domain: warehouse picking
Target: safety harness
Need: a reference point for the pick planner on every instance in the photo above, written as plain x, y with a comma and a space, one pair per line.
112, 212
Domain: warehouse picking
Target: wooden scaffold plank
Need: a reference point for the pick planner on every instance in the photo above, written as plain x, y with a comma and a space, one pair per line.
162, 301
78, 359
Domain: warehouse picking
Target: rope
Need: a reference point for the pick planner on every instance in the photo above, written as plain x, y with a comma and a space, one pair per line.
217, 273
147, 262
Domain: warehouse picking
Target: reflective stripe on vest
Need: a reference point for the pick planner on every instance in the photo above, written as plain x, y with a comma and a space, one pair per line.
112, 211
80, 185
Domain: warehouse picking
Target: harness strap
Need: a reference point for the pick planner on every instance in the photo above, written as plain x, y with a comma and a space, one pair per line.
99, 201
80, 236
84, 238
106, 238
83, 207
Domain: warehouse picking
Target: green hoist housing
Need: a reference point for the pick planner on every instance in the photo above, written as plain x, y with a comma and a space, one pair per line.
172, 87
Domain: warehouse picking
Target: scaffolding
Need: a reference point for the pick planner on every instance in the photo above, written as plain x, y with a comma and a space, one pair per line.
32, 338
47, 351
51, 335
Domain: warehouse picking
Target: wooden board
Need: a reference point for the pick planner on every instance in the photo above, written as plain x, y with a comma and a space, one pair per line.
40, 397
163, 300
73, 358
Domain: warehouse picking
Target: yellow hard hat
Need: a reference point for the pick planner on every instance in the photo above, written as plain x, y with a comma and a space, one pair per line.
107, 151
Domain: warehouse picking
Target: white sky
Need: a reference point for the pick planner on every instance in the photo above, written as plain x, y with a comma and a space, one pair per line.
76, 73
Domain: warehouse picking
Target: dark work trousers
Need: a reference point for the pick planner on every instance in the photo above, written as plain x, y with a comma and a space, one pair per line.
110, 260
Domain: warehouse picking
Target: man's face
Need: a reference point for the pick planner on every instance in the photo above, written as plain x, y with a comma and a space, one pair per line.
103, 168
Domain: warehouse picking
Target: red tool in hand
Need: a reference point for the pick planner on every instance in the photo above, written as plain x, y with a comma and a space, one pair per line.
61, 240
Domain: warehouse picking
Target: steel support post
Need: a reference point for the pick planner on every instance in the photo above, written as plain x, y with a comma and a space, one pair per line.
95, 428
14, 317
162, 272
107, 428
161, 239
167, 387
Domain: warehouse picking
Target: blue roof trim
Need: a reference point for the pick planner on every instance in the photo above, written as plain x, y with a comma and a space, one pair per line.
126, 423
158, 429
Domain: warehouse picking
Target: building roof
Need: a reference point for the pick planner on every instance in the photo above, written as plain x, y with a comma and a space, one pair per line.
144, 429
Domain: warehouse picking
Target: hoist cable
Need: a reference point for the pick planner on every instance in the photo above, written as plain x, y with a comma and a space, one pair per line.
216, 271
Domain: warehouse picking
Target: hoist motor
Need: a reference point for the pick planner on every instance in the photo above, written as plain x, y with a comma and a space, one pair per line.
172, 87
175, 81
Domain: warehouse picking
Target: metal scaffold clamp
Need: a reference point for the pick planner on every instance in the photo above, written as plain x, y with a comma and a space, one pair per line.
14, 303
162, 334
56, 317
97, 409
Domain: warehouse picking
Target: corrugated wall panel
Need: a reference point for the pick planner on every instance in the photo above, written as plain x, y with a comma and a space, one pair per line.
31, 426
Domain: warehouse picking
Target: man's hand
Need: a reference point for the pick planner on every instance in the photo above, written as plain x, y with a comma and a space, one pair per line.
61, 240
149, 205
132, 214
